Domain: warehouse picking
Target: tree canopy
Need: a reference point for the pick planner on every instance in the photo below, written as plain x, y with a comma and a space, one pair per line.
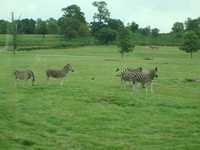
191, 43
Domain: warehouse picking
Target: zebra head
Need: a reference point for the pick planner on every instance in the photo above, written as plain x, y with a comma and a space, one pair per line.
153, 73
68, 67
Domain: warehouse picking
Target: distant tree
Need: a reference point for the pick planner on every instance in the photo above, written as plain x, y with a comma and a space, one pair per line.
134, 27
74, 11
155, 32
145, 31
42, 28
105, 35
70, 33
178, 27
193, 25
52, 26
28, 26
114, 24
191, 43
83, 31
5, 27
101, 18
124, 40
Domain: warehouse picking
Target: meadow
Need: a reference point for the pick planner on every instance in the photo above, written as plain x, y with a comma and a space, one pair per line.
86, 114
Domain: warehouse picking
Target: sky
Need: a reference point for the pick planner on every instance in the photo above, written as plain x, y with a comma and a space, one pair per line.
161, 14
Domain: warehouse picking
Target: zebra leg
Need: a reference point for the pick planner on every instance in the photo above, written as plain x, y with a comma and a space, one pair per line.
124, 85
152, 87
61, 83
48, 80
121, 84
15, 80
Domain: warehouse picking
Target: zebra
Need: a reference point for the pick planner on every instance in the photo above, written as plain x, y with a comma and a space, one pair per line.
58, 73
24, 75
145, 78
126, 75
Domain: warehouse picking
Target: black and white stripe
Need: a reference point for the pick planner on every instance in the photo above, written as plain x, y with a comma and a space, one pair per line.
126, 75
24, 75
58, 73
145, 78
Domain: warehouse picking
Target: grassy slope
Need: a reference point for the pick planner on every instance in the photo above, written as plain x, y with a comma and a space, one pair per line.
72, 116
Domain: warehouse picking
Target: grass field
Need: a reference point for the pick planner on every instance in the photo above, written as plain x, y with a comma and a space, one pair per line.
86, 114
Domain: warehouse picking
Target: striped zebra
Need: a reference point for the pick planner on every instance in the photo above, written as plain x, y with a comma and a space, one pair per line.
145, 78
126, 75
58, 73
24, 75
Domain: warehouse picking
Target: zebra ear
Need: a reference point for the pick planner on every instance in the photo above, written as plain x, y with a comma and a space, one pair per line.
140, 68
156, 69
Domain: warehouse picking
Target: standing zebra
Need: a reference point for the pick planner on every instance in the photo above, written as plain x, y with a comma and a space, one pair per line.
59, 73
126, 75
24, 75
145, 78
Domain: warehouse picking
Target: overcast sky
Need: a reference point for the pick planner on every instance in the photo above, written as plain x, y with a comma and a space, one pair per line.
161, 14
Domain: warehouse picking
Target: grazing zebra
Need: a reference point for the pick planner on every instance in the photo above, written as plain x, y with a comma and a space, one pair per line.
59, 73
24, 75
145, 78
126, 75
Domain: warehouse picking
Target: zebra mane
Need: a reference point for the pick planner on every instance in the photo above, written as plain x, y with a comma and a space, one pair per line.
66, 66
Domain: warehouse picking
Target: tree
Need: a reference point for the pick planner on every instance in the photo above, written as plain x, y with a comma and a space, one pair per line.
191, 43
178, 27
114, 24
83, 31
145, 31
134, 27
74, 11
193, 25
106, 35
42, 28
70, 33
155, 32
102, 16
124, 40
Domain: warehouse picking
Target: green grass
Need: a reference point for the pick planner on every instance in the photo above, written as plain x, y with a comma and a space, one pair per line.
72, 116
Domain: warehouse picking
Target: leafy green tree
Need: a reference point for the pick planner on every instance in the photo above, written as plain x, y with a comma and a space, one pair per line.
106, 35
52, 26
178, 27
5, 27
101, 18
134, 27
27, 26
124, 40
70, 33
191, 43
193, 25
74, 11
145, 31
83, 31
155, 32
114, 24
42, 28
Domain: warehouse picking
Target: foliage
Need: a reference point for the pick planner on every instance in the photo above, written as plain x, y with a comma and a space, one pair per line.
155, 32
42, 28
191, 43
134, 27
95, 114
193, 25
178, 27
83, 31
106, 35
70, 33
124, 40
74, 11
145, 31
114, 24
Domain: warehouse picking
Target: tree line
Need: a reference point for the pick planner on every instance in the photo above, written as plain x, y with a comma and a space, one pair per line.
73, 24
105, 29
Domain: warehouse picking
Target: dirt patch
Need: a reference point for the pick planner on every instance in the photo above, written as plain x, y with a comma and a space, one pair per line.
106, 100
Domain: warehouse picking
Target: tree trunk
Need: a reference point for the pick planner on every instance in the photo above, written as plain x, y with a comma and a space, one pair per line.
191, 54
